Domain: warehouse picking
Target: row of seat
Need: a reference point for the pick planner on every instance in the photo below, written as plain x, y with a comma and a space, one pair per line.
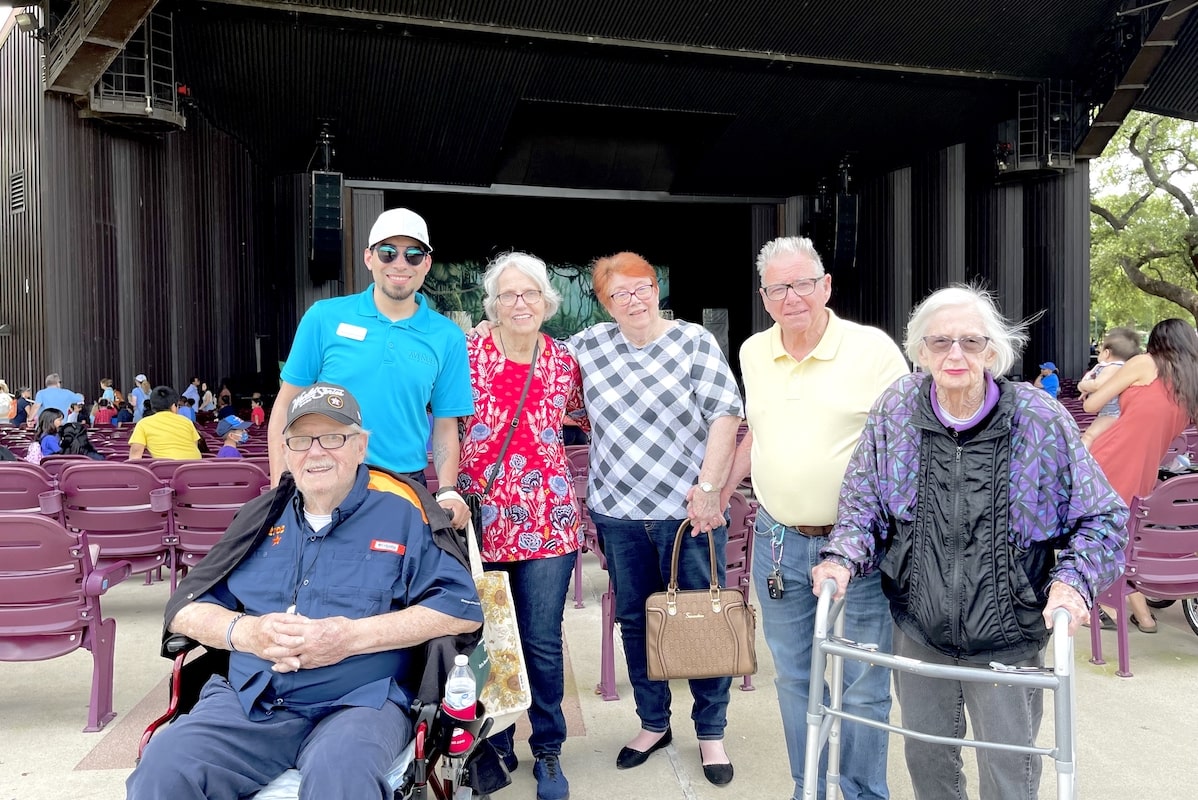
50, 588
154, 520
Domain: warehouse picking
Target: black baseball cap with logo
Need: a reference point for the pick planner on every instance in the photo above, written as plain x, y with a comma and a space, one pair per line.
329, 399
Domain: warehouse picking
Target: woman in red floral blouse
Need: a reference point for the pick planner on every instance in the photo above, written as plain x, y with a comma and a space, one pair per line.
531, 524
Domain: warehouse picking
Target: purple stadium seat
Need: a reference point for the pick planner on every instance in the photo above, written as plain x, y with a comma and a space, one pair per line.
56, 463
50, 602
123, 508
206, 497
21, 486
1162, 558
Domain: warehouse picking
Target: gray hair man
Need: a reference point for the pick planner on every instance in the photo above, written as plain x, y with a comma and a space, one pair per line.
319, 589
810, 381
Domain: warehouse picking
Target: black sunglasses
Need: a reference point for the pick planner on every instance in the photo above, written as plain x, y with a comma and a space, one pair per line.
412, 254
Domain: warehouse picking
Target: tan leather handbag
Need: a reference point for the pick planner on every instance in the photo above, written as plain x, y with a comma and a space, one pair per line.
699, 633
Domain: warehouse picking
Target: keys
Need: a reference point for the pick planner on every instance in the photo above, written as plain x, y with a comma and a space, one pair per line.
773, 583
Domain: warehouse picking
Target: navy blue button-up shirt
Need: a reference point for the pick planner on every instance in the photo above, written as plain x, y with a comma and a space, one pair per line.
377, 556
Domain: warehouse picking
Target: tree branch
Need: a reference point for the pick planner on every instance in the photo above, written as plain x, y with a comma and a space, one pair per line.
1154, 177
1134, 269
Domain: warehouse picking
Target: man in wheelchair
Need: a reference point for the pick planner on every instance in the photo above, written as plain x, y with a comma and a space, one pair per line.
321, 590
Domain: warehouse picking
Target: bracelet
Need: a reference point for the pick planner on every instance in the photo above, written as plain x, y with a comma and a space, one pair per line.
229, 632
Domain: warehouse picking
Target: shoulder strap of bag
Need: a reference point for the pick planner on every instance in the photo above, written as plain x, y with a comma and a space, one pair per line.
511, 431
474, 536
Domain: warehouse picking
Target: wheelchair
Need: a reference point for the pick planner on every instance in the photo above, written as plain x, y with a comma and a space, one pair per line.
425, 769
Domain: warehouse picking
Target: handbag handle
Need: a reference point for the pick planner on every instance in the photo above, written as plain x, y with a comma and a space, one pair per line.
672, 588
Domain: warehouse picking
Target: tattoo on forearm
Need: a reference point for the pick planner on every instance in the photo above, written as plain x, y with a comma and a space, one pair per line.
440, 453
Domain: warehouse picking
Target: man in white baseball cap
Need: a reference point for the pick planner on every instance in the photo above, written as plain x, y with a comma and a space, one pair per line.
398, 356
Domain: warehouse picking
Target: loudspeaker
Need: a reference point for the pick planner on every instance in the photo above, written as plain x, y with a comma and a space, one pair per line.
325, 233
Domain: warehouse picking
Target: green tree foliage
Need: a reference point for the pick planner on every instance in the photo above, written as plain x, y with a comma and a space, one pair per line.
1144, 223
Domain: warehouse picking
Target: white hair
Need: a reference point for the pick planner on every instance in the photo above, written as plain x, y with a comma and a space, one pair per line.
789, 246
1007, 338
526, 264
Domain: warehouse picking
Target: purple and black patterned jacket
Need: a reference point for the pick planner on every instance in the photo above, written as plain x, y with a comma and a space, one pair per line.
964, 527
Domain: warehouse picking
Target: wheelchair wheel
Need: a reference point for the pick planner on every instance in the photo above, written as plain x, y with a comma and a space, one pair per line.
1160, 603
1189, 609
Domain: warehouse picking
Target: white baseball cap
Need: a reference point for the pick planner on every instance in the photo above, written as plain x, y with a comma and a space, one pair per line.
399, 222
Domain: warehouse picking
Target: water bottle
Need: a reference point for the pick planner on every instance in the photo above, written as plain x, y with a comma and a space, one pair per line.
459, 703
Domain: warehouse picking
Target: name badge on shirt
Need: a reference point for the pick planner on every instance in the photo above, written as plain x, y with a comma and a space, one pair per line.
355, 332
387, 547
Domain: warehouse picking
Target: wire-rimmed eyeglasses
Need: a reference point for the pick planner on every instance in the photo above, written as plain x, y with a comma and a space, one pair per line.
969, 344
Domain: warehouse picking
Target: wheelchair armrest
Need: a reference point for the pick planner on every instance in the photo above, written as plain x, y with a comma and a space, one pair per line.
100, 578
178, 643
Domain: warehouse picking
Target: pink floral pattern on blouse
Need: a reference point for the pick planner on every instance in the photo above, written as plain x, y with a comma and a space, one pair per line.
531, 512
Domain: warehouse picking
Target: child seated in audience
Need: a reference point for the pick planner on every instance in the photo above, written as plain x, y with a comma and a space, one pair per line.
1119, 345
257, 412
104, 413
232, 431
123, 415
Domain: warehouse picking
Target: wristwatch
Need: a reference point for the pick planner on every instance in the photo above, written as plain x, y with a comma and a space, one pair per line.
707, 487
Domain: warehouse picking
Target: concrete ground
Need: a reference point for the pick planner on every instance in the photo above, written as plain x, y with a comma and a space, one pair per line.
1135, 735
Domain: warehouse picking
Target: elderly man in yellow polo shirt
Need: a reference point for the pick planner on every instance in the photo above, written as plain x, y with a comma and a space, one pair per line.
810, 381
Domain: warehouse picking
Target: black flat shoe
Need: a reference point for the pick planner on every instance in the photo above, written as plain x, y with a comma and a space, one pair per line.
629, 758
719, 774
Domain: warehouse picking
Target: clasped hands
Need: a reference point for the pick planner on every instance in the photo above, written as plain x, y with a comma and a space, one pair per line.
294, 642
704, 510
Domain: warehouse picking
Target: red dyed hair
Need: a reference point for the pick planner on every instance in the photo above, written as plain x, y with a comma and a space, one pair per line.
605, 269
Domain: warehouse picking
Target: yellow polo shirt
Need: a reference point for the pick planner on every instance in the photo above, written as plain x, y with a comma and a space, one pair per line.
806, 416
167, 435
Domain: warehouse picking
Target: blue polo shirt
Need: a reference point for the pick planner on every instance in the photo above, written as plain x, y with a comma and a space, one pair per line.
376, 556
397, 371
1051, 383
57, 397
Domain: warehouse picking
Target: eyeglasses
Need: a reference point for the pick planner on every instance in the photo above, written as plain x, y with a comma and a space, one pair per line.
531, 297
624, 298
413, 255
802, 287
969, 344
328, 441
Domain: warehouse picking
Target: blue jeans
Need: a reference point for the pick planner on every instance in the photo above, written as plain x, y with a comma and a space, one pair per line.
789, 625
539, 594
638, 554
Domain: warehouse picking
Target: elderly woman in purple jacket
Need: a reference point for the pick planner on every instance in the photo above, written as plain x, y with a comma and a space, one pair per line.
977, 501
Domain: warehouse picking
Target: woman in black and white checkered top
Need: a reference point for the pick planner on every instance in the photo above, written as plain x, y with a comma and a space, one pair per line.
664, 409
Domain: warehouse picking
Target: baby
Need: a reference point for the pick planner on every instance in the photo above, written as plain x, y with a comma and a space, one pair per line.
1119, 345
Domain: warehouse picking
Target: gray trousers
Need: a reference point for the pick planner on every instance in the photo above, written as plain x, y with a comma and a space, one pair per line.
937, 706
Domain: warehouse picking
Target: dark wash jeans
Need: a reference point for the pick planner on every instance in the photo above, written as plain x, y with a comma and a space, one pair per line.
638, 556
539, 594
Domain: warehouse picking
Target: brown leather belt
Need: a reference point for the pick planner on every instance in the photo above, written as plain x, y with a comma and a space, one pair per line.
813, 530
